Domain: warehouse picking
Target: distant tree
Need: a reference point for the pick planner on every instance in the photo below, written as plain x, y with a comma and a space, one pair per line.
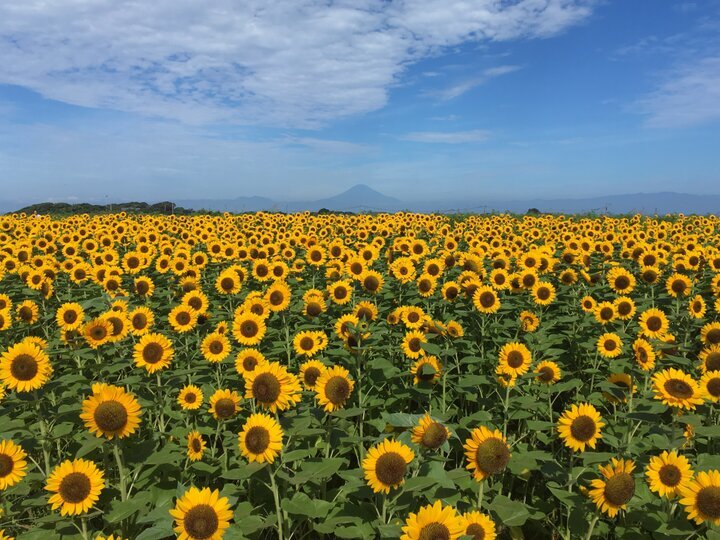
533, 212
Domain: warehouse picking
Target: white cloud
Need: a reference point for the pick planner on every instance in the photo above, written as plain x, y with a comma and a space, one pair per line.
457, 90
689, 96
447, 137
291, 63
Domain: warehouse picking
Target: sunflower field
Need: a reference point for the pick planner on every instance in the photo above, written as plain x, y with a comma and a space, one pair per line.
422, 377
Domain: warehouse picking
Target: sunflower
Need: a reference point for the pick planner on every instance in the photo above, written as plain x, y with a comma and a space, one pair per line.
667, 472
412, 344
620, 280
579, 427
676, 388
454, 329
144, 287
487, 453
710, 385
70, 316
248, 328
514, 359
228, 282
224, 404
278, 296
261, 438
190, 397
625, 308
429, 434
434, 521
412, 317
273, 387
3, 536
701, 497
201, 515
654, 323
710, 333
27, 312
195, 446
110, 411
247, 360
697, 307
450, 291
644, 354
678, 285
609, 345
478, 526
333, 388
310, 371
588, 304
426, 369
605, 312
386, 464
372, 281
24, 367
309, 343
76, 486
614, 492
548, 372
215, 347
340, 292
5, 319
543, 293
97, 332
709, 358
485, 299
153, 352
182, 318
529, 321
12, 464
622, 387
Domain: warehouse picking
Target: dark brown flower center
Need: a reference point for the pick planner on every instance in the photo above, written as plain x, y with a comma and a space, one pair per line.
678, 389
678, 286
707, 501
139, 321
190, 397
619, 489
606, 313
492, 456
713, 387
249, 363
183, 318
654, 323
487, 299
111, 416
216, 347
340, 293
75, 487
434, 437
257, 439
249, 329
543, 293
224, 408
196, 445
310, 375
24, 367
307, 343
227, 284
546, 374
414, 344
451, 293
476, 531
624, 308
6, 465
266, 388
337, 390
152, 353
622, 282
610, 345
142, 287
515, 359
434, 531
371, 283
201, 522
670, 475
313, 309
390, 468
713, 336
196, 303
583, 428
277, 298
70, 316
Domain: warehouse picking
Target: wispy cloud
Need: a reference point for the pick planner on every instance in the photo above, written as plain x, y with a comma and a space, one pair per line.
457, 90
288, 63
447, 137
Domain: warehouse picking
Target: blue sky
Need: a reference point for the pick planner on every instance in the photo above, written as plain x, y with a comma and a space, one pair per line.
301, 99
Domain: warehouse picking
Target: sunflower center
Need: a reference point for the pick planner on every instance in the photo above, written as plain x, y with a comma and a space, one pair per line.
142, 287
25, 313
707, 501
195, 303
70, 317
606, 313
624, 308
619, 489
183, 318
610, 345
546, 374
216, 347
425, 285
310, 375
678, 286
435, 435
426, 371
276, 298
654, 323
713, 336
337, 390
622, 282
414, 344
24, 367
6, 465
390, 468
313, 309
201, 521
340, 293
195, 445
75, 487
371, 283
227, 284
152, 353
670, 475
543, 293
434, 531
257, 439
451, 293
678, 389
249, 329
139, 321
713, 387
111, 415
476, 531
487, 299
307, 343
583, 428
249, 363
224, 408
515, 359
190, 397
492, 456
266, 388
413, 317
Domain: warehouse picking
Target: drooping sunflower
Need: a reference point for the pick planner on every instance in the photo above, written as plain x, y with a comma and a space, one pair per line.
548, 372
701, 497
454, 329
580, 426
654, 323
141, 320
486, 300
248, 328
344, 327
13, 466
182, 318
224, 404
110, 411
676, 388
514, 359
609, 345
70, 316
710, 385
426, 369
434, 521
247, 360
261, 438
195, 446
310, 372
667, 472
614, 492
215, 347
385, 465
333, 388
97, 332
76, 486
24, 367
429, 433
412, 344
190, 397
487, 453
623, 387
478, 526
153, 352
201, 515
273, 387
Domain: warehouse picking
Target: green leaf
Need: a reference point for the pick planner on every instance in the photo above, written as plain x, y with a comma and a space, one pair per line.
511, 513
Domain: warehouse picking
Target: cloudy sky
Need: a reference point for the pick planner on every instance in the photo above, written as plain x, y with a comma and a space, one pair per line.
300, 99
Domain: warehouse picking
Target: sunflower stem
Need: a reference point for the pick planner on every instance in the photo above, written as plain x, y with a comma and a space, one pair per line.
278, 510
481, 490
43, 435
588, 536
121, 471
83, 522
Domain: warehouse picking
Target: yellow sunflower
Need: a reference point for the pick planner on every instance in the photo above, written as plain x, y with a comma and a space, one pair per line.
224, 404
426, 370
644, 354
485, 299
529, 321
612, 493
667, 472
605, 312
676, 388
247, 360
309, 343
70, 316
654, 323
625, 308
310, 372
478, 526
623, 386
333, 388
609, 345
195, 446
487, 453
710, 358
153, 352
340, 291
514, 359
580, 426
228, 282
412, 344
701, 497
190, 397
76, 486
27, 312
97, 332
434, 521
548, 372
141, 320
273, 387
215, 347
182, 318
386, 464
429, 433
543, 293
678, 285
24, 367
110, 411
201, 515
710, 333
248, 328
588, 304
710, 385
12, 464
697, 307
261, 438
278, 296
